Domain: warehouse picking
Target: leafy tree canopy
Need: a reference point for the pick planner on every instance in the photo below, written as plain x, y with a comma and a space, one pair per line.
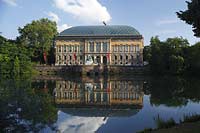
38, 36
192, 15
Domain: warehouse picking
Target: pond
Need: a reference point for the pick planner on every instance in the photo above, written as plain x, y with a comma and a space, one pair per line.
95, 104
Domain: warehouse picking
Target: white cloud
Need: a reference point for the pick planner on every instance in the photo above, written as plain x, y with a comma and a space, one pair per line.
10, 2
62, 27
167, 21
53, 16
84, 10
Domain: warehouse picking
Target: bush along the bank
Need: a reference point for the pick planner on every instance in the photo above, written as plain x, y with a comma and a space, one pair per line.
14, 60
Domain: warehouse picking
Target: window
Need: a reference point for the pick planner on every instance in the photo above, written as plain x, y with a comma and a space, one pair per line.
120, 48
105, 46
65, 57
115, 48
65, 48
121, 57
59, 49
126, 48
131, 48
81, 48
91, 46
70, 48
115, 57
75, 48
137, 48
123, 48
59, 57
126, 57
81, 57
98, 47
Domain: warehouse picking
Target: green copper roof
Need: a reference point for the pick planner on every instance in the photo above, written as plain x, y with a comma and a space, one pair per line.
109, 30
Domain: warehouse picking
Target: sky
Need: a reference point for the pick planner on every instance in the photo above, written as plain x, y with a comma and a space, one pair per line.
149, 17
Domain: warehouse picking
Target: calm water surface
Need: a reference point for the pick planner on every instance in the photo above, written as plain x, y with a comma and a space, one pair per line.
95, 104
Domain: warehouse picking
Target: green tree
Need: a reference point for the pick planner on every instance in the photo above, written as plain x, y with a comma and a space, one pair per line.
176, 64
147, 53
193, 59
14, 59
167, 56
16, 66
38, 37
156, 62
192, 16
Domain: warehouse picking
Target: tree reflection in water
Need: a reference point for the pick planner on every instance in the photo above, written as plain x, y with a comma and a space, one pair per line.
173, 91
24, 108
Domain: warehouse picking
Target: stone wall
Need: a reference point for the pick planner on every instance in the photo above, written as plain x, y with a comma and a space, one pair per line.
92, 70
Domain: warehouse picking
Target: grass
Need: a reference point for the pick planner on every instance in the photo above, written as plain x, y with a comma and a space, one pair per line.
165, 124
146, 130
191, 118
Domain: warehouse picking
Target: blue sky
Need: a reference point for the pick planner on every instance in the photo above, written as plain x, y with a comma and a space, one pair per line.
149, 17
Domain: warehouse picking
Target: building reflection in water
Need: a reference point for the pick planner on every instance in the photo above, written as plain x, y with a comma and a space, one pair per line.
101, 93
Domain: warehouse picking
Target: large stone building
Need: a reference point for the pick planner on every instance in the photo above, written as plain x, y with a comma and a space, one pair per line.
99, 45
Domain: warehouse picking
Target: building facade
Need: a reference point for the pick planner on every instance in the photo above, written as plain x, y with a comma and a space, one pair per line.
99, 45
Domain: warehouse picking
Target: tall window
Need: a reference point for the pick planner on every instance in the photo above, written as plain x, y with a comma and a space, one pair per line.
131, 48
98, 47
81, 57
121, 48
81, 48
126, 57
70, 48
75, 48
137, 48
59, 49
105, 47
115, 57
126, 48
115, 48
65, 48
121, 57
91, 46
